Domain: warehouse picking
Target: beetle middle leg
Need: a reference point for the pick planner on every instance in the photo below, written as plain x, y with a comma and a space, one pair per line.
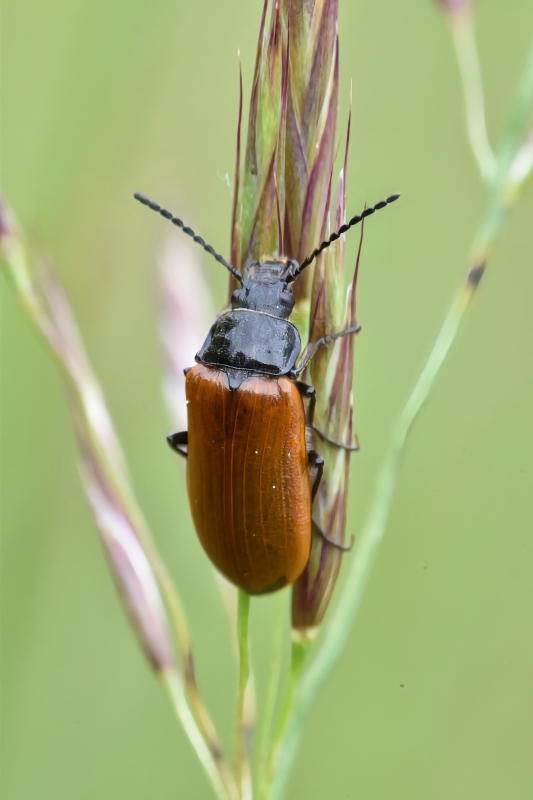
178, 441
309, 393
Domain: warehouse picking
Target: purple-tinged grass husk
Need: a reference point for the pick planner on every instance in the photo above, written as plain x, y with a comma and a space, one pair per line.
455, 6
258, 200
187, 312
331, 369
131, 570
102, 464
312, 112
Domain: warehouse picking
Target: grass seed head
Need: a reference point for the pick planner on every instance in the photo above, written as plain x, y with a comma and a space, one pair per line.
285, 205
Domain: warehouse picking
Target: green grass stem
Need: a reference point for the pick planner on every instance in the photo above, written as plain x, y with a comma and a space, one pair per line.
268, 711
241, 735
221, 782
299, 651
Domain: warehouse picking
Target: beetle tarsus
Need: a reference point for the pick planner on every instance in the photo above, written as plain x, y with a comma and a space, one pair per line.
345, 548
350, 448
179, 440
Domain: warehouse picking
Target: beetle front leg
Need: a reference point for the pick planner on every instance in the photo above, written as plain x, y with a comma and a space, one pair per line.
179, 440
311, 349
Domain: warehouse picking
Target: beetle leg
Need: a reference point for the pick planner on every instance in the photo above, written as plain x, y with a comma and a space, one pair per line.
179, 440
311, 349
309, 392
344, 547
316, 461
350, 448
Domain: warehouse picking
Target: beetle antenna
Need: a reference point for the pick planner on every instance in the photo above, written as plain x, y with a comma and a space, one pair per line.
198, 239
334, 236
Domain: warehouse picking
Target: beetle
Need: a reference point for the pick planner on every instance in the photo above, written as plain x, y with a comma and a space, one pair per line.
252, 470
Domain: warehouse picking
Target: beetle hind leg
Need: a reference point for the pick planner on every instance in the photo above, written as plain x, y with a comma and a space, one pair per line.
309, 393
345, 548
349, 448
179, 441
316, 461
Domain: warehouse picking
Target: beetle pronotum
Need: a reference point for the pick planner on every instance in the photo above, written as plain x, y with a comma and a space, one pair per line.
252, 471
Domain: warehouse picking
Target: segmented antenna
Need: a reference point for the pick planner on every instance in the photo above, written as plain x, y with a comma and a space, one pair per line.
334, 236
198, 239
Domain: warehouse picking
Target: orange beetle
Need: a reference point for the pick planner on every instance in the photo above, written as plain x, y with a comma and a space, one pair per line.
252, 471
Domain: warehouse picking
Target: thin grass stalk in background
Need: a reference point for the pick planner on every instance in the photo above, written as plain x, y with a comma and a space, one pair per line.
461, 22
186, 313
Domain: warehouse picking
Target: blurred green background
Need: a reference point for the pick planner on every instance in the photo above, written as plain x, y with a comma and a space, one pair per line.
433, 699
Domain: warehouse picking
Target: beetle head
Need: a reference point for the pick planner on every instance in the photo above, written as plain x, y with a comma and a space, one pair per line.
265, 288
